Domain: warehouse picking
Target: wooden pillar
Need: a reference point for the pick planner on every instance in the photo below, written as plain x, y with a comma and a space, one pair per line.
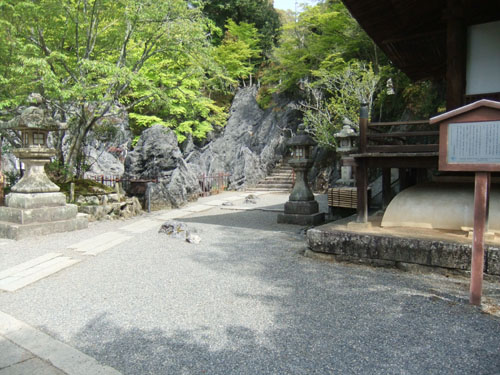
456, 44
386, 187
361, 168
481, 209
363, 128
362, 190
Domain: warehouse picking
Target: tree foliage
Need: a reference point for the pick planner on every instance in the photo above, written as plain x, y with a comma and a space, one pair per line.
86, 57
239, 52
260, 13
330, 65
335, 97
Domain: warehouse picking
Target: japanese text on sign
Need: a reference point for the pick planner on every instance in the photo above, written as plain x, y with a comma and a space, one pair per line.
474, 142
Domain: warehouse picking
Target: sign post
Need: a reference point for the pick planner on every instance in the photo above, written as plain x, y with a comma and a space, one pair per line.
469, 141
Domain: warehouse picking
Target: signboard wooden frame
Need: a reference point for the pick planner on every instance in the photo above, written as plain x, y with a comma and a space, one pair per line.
480, 112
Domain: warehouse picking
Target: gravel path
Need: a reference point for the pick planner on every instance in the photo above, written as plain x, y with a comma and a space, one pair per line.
246, 301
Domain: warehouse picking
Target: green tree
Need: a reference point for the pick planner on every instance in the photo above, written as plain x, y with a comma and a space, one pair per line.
260, 13
86, 56
320, 34
238, 54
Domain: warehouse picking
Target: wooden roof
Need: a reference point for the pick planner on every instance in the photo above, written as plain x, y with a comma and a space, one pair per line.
413, 32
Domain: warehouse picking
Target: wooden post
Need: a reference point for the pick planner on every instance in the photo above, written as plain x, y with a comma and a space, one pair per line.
386, 187
456, 40
363, 127
481, 203
362, 191
361, 169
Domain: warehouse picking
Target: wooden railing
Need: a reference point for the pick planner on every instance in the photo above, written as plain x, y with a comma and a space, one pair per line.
398, 137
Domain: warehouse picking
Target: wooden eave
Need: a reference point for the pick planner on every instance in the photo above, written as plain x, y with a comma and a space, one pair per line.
413, 32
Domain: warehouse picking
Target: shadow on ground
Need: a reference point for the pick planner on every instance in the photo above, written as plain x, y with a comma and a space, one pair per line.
328, 319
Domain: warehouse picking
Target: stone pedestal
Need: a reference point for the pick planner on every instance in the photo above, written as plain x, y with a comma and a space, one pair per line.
35, 206
301, 213
302, 208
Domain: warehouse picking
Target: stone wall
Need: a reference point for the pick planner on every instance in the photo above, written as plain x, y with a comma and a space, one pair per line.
387, 250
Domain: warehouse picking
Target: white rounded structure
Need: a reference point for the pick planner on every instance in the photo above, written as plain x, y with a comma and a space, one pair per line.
439, 206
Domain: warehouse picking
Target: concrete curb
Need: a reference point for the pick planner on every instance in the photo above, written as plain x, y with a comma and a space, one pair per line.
58, 354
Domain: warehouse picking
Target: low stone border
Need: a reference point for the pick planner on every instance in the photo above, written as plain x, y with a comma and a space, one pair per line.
388, 250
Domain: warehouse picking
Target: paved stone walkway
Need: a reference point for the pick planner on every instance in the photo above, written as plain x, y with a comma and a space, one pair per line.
119, 297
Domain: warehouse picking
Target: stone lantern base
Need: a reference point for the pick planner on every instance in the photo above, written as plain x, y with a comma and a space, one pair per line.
29, 215
35, 206
301, 213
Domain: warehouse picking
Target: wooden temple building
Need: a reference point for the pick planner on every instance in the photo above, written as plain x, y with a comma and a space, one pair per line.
457, 41
454, 40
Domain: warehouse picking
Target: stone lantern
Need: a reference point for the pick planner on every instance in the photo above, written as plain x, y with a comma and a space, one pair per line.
35, 206
34, 126
301, 208
346, 145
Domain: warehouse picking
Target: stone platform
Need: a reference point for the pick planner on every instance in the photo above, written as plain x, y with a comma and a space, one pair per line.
406, 248
28, 215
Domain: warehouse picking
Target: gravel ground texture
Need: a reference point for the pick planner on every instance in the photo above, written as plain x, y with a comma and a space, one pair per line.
247, 301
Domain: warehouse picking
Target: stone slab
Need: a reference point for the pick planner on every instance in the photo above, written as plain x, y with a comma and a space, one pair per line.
217, 202
38, 215
11, 354
30, 263
381, 247
98, 244
62, 356
30, 275
197, 208
493, 261
141, 226
173, 214
33, 366
20, 231
35, 200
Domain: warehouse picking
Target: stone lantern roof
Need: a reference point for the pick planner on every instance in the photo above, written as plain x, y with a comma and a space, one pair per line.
32, 118
301, 139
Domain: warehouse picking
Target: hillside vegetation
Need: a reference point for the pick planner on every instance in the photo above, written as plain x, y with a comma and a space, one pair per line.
178, 63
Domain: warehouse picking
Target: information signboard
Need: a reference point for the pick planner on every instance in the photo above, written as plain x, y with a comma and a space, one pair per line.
474, 142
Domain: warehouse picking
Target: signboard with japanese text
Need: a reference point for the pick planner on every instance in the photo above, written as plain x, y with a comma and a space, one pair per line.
469, 138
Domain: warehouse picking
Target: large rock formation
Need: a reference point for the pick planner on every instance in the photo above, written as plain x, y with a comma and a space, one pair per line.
248, 148
251, 143
157, 156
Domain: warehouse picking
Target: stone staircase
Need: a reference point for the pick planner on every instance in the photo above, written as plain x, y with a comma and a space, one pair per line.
280, 179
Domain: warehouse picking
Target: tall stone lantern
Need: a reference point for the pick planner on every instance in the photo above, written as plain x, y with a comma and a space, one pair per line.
35, 206
346, 145
301, 208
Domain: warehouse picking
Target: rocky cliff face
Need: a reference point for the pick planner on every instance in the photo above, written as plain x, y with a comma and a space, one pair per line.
248, 148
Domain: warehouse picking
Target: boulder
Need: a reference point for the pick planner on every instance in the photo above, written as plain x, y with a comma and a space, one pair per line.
177, 229
157, 156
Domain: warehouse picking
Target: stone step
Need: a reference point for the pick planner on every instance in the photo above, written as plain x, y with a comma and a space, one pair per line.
275, 186
280, 175
277, 180
269, 189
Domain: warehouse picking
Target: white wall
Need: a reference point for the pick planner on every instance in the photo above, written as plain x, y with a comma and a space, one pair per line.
483, 58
